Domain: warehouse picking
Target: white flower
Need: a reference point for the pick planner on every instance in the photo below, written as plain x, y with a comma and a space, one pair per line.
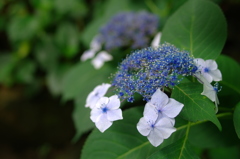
99, 60
154, 128
156, 40
208, 70
95, 46
96, 94
211, 92
106, 111
88, 54
165, 106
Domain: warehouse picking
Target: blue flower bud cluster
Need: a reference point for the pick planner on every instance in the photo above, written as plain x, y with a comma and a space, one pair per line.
129, 29
146, 70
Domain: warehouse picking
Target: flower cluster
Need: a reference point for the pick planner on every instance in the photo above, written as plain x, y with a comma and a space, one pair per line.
207, 72
158, 118
129, 29
104, 110
146, 70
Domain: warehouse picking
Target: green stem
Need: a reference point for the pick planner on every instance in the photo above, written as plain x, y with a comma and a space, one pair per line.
152, 7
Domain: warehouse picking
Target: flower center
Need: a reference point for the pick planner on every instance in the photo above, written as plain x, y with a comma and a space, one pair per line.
152, 126
206, 70
104, 109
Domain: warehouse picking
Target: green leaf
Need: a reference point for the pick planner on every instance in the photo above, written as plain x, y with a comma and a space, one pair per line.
180, 149
81, 117
199, 27
230, 70
223, 153
67, 39
236, 119
122, 140
25, 71
196, 106
23, 28
7, 64
206, 135
83, 78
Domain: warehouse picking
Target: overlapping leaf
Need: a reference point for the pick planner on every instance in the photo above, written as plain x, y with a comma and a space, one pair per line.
196, 106
198, 27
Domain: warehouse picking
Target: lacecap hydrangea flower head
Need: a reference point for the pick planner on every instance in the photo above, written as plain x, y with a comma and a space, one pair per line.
124, 30
134, 29
146, 70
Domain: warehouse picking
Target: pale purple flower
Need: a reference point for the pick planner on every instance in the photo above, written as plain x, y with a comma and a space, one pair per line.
165, 106
208, 70
106, 111
99, 60
96, 94
156, 129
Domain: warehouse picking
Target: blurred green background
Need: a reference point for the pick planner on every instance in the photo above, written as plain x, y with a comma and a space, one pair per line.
40, 41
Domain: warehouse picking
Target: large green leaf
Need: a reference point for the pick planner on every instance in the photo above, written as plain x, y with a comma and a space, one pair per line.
122, 140
223, 153
196, 106
83, 78
236, 119
230, 72
199, 27
180, 149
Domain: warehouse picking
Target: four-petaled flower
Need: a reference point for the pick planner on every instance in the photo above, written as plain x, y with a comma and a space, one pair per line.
105, 112
96, 94
156, 129
165, 106
208, 70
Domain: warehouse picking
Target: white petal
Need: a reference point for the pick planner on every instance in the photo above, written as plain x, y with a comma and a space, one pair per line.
95, 114
143, 127
164, 122
173, 108
99, 60
88, 54
167, 131
114, 102
103, 101
155, 137
95, 44
91, 100
113, 115
200, 62
216, 75
211, 64
102, 89
207, 76
103, 123
156, 40
150, 112
159, 99
209, 91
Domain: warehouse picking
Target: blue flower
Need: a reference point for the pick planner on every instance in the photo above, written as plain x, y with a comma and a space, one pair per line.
146, 70
129, 29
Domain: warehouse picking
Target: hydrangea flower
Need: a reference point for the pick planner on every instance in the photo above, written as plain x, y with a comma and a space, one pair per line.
208, 70
129, 29
99, 60
156, 129
96, 94
95, 46
211, 92
165, 106
146, 70
105, 112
